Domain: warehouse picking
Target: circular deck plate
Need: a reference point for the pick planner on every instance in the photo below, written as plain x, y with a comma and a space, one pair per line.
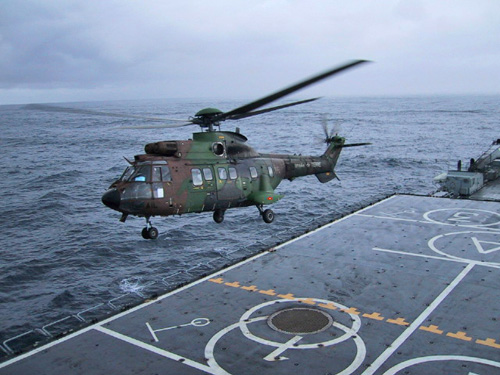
300, 321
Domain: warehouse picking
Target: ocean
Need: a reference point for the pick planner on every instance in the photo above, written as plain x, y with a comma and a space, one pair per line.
66, 260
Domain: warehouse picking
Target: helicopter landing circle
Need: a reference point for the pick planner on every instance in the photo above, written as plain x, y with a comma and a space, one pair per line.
349, 332
463, 216
293, 343
483, 247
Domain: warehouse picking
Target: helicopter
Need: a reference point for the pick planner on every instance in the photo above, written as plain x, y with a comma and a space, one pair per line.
217, 170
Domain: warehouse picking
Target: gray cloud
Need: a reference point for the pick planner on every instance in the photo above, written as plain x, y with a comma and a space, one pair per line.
80, 50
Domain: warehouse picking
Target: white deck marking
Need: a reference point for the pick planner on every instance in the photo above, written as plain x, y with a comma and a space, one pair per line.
421, 255
197, 322
475, 226
480, 248
465, 215
432, 245
276, 354
435, 358
156, 350
417, 322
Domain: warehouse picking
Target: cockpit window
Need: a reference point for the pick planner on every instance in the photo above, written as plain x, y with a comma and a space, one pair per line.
126, 175
161, 174
165, 173
141, 174
156, 176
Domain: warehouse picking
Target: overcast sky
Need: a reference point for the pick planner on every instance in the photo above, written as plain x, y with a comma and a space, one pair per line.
64, 50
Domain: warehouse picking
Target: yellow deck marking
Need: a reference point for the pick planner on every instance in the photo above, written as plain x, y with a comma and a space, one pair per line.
351, 310
489, 342
375, 316
330, 306
269, 292
459, 335
307, 301
286, 296
431, 328
398, 321
251, 288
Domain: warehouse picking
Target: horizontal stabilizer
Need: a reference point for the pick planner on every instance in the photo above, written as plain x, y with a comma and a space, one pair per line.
356, 144
326, 176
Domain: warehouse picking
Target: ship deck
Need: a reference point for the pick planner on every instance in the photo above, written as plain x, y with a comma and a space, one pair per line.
489, 192
406, 286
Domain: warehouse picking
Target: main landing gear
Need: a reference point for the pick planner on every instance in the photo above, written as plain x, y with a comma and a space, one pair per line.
219, 216
267, 215
149, 232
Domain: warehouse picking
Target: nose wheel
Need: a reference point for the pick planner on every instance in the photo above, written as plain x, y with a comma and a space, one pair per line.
149, 232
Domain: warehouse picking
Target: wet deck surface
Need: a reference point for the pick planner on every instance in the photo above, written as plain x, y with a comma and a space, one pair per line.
407, 286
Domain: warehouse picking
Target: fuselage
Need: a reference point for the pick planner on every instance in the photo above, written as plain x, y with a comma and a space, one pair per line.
214, 171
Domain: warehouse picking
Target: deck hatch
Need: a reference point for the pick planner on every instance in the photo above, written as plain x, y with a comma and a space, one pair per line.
300, 321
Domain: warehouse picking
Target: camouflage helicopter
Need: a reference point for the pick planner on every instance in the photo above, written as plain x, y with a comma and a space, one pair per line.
216, 170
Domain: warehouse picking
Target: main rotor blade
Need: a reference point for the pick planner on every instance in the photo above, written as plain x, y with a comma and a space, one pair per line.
158, 126
243, 115
53, 108
277, 95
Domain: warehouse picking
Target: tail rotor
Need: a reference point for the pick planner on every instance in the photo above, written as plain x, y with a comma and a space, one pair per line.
329, 131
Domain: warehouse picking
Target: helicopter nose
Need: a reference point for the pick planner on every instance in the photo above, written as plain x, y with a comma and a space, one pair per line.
111, 198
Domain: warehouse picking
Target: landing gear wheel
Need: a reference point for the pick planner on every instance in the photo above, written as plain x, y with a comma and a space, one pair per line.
268, 216
152, 233
219, 216
149, 232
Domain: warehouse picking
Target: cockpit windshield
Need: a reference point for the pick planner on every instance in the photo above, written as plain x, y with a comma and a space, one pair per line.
142, 173
126, 175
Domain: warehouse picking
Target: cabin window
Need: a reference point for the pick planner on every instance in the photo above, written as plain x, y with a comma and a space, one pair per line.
253, 172
207, 172
233, 175
270, 170
197, 179
222, 173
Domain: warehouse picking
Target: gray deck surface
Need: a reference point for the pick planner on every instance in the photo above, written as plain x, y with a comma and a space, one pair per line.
489, 192
411, 285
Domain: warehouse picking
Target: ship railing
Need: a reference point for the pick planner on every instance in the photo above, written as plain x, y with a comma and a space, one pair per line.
487, 157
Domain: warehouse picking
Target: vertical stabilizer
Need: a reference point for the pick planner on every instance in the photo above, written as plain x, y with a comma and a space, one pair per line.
332, 154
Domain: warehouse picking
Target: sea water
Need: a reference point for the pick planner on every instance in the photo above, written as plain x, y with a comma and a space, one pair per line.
65, 259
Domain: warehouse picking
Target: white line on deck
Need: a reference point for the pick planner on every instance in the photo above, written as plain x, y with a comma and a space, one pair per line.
474, 226
417, 322
156, 350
